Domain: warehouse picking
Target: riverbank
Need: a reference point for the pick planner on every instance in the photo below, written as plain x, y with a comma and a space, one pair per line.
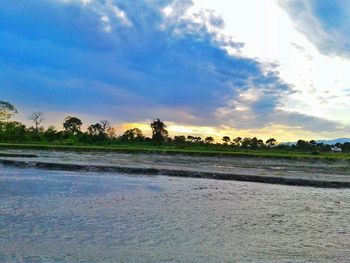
303, 172
193, 151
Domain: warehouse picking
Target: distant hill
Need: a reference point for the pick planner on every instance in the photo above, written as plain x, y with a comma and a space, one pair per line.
332, 142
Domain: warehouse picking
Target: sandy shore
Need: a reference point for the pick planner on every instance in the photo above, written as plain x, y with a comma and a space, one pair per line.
318, 173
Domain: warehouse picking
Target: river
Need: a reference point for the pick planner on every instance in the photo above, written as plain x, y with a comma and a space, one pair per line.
54, 216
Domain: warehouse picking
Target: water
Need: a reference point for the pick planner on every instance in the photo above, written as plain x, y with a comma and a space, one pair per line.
51, 216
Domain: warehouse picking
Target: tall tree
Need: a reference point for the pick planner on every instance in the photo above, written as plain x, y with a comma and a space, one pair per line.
159, 133
111, 133
96, 129
180, 139
226, 139
7, 110
105, 125
72, 124
134, 134
246, 142
37, 118
209, 140
271, 142
237, 141
99, 129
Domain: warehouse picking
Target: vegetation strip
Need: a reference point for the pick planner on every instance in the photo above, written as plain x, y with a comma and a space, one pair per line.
172, 151
102, 136
180, 173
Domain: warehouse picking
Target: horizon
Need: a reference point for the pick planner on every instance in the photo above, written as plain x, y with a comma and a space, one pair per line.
249, 69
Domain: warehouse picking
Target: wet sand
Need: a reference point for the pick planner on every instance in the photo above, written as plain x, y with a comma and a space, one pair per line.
305, 172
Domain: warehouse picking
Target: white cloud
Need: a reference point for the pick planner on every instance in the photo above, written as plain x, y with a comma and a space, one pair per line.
321, 82
106, 23
120, 14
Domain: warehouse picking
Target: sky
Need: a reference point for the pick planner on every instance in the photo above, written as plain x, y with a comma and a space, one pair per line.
270, 68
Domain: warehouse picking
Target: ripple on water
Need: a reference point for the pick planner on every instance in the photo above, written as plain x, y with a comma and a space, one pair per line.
48, 216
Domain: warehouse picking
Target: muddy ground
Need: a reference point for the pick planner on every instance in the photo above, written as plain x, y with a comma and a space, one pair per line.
243, 168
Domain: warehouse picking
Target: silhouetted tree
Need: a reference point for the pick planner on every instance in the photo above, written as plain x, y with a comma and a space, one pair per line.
110, 132
303, 145
180, 139
159, 133
271, 142
209, 140
105, 125
237, 141
37, 118
7, 110
198, 140
190, 138
134, 134
72, 125
313, 142
194, 139
246, 142
260, 143
256, 143
96, 130
226, 139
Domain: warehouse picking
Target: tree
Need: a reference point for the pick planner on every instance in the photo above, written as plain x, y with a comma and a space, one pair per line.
7, 110
37, 118
209, 140
100, 129
346, 147
110, 132
313, 142
134, 134
226, 139
260, 143
159, 133
96, 130
72, 125
237, 141
180, 139
303, 145
271, 142
256, 143
197, 139
12, 131
51, 134
246, 142
190, 138
104, 124
194, 139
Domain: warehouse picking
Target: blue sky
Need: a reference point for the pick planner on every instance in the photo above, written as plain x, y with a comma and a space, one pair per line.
202, 67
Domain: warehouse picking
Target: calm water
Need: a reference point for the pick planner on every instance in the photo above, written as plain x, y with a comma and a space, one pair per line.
49, 216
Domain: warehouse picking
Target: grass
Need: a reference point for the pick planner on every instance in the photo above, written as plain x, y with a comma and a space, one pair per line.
189, 150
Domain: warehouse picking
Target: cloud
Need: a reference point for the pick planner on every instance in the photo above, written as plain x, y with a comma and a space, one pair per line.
324, 23
132, 62
113, 53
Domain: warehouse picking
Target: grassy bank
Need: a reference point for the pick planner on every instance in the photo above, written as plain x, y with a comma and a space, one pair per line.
268, 153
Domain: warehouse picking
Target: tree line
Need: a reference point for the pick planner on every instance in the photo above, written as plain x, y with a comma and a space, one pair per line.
102, 133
